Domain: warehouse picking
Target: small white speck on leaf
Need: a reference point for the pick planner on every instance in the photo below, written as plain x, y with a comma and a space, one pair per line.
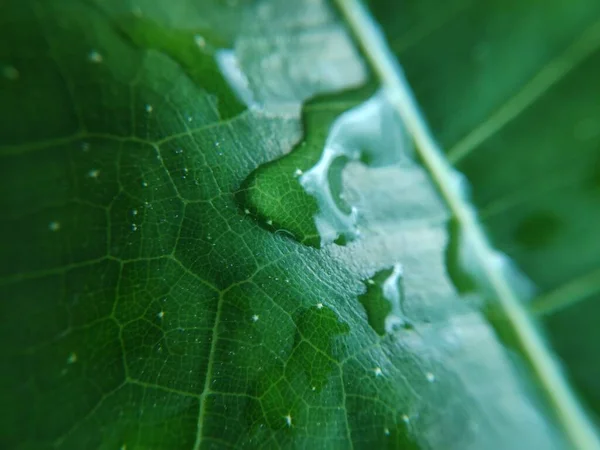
255, 318
288, 420
161, 315
72, 359
298, 172
269, 222
199, 41
93, 173
95, 57
370, 281
378, 372
10, 73
54, 226
149, 108
314, 388
386, 431
430, 377
134, 227
134, 212
144, 184
319, 305
246, 211
405, 418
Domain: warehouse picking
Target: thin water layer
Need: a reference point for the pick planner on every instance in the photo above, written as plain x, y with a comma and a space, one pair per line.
236, 78
384, 301
372, 133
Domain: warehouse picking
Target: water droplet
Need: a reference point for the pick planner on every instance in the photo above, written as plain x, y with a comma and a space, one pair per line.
430, 377
134, 212
72, 358
149, 108
319, 305
161, 314
134, 227
461, 185
93, 173
179, 151
393, 291
255, 318
355, 134
288, 420
54, 226
383, 301
386, 431
95, 57
199, 41
378, 372
144, 184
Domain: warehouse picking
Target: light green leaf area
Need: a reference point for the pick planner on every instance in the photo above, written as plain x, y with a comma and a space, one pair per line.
143, 308
512, 95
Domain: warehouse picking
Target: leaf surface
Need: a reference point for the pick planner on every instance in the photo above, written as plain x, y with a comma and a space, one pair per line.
144, 308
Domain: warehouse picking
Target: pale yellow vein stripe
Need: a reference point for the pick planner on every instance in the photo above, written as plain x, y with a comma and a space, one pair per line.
568, 294
209, 375
551, 74
575, 423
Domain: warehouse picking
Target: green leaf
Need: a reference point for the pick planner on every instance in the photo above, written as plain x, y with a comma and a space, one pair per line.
144, 308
